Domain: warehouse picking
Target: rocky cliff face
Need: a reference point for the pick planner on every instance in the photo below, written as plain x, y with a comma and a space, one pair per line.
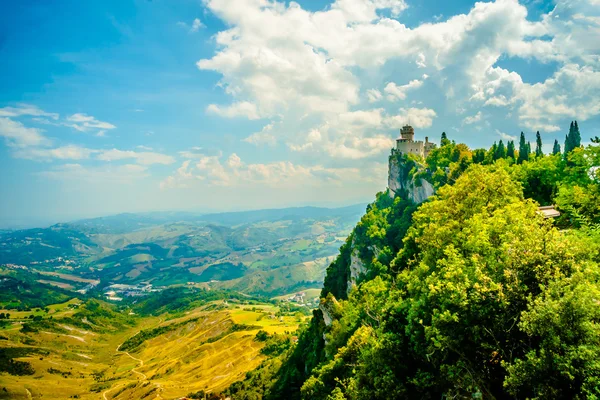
357, 268
328, 307
400, 183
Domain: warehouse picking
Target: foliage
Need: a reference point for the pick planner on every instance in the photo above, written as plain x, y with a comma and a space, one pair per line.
21, 291
14, 367
474, 295
99, 316
471, 264
573, 138
137, 340
524, 150
556, 147
180, 299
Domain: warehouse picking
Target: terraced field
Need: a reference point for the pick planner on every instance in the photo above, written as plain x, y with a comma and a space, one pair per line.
207, 349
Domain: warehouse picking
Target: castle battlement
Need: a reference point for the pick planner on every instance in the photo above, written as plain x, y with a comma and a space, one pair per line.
406, 144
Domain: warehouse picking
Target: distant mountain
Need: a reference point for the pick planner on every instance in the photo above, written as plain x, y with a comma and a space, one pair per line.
277, 214
129, 222
260, 252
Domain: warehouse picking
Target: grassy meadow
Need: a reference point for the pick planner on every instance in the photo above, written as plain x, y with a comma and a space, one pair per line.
206, 348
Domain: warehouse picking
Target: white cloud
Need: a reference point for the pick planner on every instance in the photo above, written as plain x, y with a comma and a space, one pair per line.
396, 92
357, 148
274, 175
241, 109
26, 109
18, 135
69, 152
143, 158
417, 117
365, 10
234, 171
473, 118
84, 123
374, 95
572, 92
234, 161
505, 136
421, 61
278, 59
265, 136
361, 119
196, 25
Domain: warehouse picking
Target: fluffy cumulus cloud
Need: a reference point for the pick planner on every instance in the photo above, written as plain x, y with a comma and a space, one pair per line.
279, 59
265, 136
395, 92
141, 157
69, 152
473, 119
27, 142
240, 109
26, 109
85, 123
232, 171
18, 135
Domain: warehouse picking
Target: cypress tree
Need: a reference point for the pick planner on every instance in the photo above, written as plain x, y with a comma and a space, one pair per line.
576, 136
510, 150
444, 140
478, 156
538, 145
523, 153
500, 151
569, 139
556, 148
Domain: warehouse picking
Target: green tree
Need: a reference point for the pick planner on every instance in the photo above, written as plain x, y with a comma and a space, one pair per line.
500, 151
444, 141
478, 156
576, 136
538, 145
510, 150
573, 138
556, 148
523, 150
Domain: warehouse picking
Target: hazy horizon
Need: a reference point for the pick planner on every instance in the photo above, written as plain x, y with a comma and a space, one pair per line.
44, 223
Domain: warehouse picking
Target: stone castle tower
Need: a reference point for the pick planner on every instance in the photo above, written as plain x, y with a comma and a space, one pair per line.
400, 182
406, 143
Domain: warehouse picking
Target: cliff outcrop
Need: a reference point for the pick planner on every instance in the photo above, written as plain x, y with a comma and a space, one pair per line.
405, 178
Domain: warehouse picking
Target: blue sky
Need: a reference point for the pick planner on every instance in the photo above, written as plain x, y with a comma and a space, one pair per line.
125, 106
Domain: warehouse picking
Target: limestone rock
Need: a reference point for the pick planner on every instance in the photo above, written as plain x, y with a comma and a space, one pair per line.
417, 190
328, 307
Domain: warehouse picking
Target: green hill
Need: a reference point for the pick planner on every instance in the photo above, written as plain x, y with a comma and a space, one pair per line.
471, 294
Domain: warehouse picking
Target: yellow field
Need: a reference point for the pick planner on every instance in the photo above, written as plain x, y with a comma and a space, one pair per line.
202, 353
67, 277
309, 294
56, 310
62, 285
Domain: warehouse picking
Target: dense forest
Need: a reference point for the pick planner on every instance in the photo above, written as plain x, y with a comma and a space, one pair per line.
472, 294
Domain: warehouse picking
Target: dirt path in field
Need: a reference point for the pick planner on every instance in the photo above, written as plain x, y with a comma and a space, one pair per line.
143, 376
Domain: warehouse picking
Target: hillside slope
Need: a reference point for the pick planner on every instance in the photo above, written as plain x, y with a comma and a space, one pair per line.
471, 294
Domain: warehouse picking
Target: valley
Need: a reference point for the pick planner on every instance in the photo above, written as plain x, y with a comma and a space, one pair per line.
87, 350
158, 306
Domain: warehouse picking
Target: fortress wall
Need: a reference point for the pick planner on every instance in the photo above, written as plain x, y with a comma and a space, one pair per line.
411, 147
